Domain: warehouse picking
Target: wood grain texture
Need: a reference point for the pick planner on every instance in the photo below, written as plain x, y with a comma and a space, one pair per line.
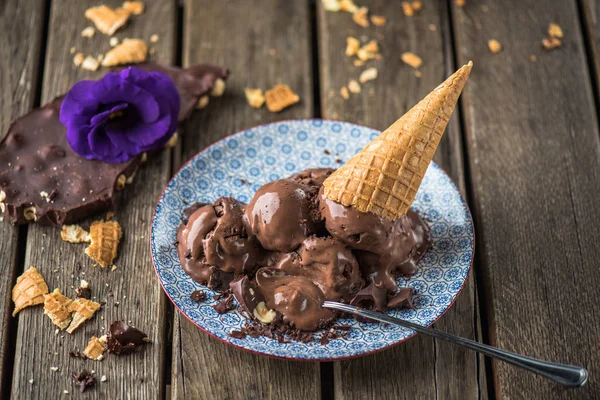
21, 25
534, 156
421, 367
239, 35
590, 11
132, 292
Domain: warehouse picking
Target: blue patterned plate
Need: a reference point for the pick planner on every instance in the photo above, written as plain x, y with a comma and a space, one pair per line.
239, 164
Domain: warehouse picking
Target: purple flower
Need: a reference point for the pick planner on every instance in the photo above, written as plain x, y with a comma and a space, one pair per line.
121, 115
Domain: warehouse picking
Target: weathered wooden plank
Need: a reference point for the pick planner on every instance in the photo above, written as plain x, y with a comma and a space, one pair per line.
533, 151
239, 34
131, 292
590, 11
21, 26
420, 368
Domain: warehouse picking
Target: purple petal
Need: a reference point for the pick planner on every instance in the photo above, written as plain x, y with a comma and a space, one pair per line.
104, 117
108, 92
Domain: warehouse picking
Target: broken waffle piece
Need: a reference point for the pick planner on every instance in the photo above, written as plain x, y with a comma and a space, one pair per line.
74, 234
29, 290
280, 97
555, 31
57, 307
105, 237
352, 46
494, 46
331, 5
254, 97
411, 59
348, 6
378, 20
368, 75
82, 309
134, 7
360, 17
130, 51
106, 19
95, 348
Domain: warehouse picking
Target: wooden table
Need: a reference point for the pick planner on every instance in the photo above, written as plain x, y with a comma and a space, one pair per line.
523, 147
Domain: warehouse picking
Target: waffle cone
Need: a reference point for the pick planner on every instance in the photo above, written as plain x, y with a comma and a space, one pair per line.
384, 177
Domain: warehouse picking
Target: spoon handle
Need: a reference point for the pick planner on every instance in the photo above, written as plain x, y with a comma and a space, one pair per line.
568, 375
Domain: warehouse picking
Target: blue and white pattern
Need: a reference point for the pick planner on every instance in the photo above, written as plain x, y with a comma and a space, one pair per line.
238, 165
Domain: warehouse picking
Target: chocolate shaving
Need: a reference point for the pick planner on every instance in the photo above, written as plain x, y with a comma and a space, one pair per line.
225, 305
83, 380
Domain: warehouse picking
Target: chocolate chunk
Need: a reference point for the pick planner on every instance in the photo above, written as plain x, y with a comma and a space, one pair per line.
219, 281
401, 300
83, 292
123, 338
237, 335
83, 380
225, 305
246, 294
372, 297
197, 296
35, 159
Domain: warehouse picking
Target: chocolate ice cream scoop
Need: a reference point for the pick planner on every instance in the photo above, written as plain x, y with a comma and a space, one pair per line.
295, 297
216, 235
312, 176
283, 214
383, 246
327, 263
247, 295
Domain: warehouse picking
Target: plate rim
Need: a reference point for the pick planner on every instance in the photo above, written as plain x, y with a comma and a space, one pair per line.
279, 357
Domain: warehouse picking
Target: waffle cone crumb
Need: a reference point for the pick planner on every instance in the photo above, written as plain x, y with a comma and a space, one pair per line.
29, 290
106, 19
105, 238
56, 306
95, 348
280, 97
130, 51
82, 309
74, 234
384, 177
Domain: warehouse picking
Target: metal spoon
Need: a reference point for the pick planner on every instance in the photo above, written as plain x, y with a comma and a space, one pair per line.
568, 375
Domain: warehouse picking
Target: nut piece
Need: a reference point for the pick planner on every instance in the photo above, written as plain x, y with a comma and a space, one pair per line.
78, 59
83, 310
88, 32
555, 31
29, 290
378, 20
352, 46
154, 38
130, 51
344, 93
134, 7
368, 75
74, 234
369, 51
348, 6
95, 348
173, 141
354, 86
218, 88
113, 41
411, 59
106, 19
360, 17
280, 97
90, 64
331, 5
29, 214
407, 9
494, 46
120, 183
551, 43
105, 242
202, 102
254, 97
263, 314
56, 306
